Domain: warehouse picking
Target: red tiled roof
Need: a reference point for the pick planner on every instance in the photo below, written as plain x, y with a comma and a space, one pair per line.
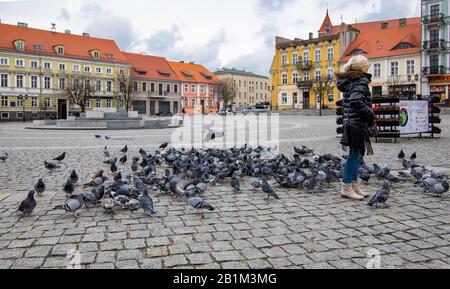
327, 20
199, 73
151, 67
381, 42
74, 45
374, 25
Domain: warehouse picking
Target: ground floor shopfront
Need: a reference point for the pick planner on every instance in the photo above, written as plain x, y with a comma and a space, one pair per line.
304, 98
439, 86
157, 107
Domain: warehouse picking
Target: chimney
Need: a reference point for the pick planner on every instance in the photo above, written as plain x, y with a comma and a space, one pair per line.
384, 25
402, 22
86, 34
22, 24
311, 35
67, 31
191, 63
181, 61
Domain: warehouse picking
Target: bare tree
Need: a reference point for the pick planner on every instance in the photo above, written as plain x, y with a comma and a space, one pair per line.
322, 87
126, 91
79, 90
226, 91
392, 82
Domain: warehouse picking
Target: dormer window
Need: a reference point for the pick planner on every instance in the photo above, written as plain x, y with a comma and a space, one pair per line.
110, 56
208, 77
163, 73
357, 52
403, 45
95, 54
187, 74
59, 50
20, 44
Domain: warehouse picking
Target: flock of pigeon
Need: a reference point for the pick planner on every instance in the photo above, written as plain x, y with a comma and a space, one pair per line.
186, 174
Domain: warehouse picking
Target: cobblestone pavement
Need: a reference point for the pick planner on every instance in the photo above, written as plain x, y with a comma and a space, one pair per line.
298, 231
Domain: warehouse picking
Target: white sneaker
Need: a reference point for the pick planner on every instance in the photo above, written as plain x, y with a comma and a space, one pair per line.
347, 192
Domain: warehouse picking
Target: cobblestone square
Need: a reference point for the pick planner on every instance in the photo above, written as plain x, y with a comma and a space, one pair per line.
300, 230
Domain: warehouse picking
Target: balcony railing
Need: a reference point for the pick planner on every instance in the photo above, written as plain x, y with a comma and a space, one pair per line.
433, 19
434, 70
304, 84
435, 45
304, 65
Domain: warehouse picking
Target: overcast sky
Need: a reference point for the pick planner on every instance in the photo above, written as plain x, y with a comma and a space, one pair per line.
215, 33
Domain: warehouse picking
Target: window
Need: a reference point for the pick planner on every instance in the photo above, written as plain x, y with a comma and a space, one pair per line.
318, 75
20, 101
193, 88
4, 101
144, 86
98, 70
202, 89
20, 63
434, 35
4, 61
122, 103
317, 55
186, 88
294, 58
403, 45
377, 70
306, 76
60, 50
284, 79
34, 64
5, 115
306, 56
34, 81
410, 69
135, 86
168, 88
121, 72
377, 90
394, 68
98, 86
20, 45
76, 67
109, 86
330, 73
4, 80
240, 83
434, 61
47, 65
48, 102
434, 10
19, 80
98, 102
88, 103
357, 52
96, 54
87, 69
108, 70
62, 83
34, 101
283, 60
245, 83
47, 81
330, 54
108, 103
294, 77
284, 98
175, 88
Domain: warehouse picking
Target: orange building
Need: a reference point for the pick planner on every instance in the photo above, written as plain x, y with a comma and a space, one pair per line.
198, 88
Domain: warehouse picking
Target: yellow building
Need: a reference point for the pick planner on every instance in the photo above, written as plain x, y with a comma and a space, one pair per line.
299, 63
36, 67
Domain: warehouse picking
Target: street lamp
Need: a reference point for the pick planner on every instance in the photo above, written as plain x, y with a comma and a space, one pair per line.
23, 99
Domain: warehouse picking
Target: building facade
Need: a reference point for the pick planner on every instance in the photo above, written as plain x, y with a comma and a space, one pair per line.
436, 48
199, 91
251, 89
394, 51
37, 65
156, 87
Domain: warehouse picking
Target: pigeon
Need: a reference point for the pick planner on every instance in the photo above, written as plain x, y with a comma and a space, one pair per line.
413, 156
94, 196
381, 196
125, 149
198, 203
111, 161
68, 188
60, 157
123, 159
72, 205
106, 152
97, 136
256, 184
4, 157
39, 188
147, 203
429, 183
27, 206
235, 184
134, 166
163, 146
98, 181
440, 188
401, 155
74, 177
107, 137
108, 202
50, 166
267, 189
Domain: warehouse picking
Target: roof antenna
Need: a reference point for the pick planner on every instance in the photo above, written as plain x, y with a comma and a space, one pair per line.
342, 18
53, 27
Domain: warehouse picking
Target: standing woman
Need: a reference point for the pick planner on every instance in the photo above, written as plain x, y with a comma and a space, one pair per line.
359, 121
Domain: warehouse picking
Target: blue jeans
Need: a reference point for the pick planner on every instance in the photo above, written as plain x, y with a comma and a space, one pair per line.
352, 165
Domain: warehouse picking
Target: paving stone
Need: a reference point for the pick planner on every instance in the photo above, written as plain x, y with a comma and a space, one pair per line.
128, 264
28, 263
135, 244
129, 255
199, 258
175, 260
40, 251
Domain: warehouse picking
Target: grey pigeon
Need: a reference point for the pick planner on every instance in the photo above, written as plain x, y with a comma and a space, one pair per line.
235, 184
255, 183
401, 155
27, 206
134, 166
163, 146
97, 136
4, 157
106, 152
147, 203
440, 188
107, 137
124, 149
198, 203
60, 157
72, 205
39, 188
74, 177
98, 181
267, 189
68, 188
381, 196
123, 159
108, 202
50, 166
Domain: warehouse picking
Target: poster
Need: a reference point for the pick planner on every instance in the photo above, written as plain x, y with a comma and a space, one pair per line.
414, 117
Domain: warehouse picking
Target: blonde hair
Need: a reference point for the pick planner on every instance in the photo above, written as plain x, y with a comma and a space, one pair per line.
356, 63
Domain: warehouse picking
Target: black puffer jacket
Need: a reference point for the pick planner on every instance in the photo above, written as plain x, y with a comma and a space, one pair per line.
358, 114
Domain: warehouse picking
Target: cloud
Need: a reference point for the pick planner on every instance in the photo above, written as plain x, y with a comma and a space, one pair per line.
64, 15
163, 40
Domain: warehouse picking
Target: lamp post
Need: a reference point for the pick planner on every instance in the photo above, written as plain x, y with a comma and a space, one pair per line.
23, 99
